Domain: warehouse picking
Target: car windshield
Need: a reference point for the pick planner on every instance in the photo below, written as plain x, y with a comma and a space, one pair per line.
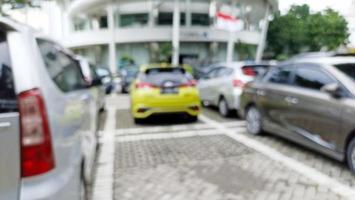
348, 69
160, 76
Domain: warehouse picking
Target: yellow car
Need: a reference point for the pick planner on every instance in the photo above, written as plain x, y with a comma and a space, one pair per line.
159, 90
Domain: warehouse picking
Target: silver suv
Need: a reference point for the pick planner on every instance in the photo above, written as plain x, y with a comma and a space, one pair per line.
224, 83
47, 128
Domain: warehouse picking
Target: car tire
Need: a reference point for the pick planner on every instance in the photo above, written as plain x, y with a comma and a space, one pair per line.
223, 108
350, 155
138, 121
254, 121
193, 119
83, 190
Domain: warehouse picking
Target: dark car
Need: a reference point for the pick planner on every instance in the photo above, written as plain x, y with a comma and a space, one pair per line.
128, 76
310, 101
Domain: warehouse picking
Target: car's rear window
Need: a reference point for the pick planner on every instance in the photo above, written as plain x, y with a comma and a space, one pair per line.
348, 69
8, 102
159, 76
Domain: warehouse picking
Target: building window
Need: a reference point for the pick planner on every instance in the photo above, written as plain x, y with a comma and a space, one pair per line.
200, 19
134, 19
103, 22
166, 18
81, 24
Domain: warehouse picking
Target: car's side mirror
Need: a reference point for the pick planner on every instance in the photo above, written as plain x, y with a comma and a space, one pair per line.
333, 89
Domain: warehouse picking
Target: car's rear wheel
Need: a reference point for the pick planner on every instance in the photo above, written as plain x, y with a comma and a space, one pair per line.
254, 121
223, 108
350, 155
83, 190
193, 118
138, 121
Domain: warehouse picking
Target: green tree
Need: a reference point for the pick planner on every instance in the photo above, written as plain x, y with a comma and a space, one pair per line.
300, 30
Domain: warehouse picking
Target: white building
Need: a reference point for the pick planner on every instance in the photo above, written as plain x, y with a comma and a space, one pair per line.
351, 21
146, 31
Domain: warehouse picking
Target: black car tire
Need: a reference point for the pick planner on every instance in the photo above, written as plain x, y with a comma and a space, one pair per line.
138, 121
223, 108
83, 189
350, 155
254, 121
193, 118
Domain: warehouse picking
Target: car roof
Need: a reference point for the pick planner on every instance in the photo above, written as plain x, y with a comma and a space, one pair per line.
241, 64
327, 60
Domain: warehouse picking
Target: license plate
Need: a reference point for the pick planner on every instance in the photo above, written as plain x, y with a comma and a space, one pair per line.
169, 90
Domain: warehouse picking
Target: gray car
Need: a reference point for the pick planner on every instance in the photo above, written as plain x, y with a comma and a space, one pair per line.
46, 119
310, 101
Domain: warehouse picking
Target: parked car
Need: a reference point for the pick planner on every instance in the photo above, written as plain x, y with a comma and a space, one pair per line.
224, 83
105, 76
98, 89
128, 75
45, 118
159, 90
310, 101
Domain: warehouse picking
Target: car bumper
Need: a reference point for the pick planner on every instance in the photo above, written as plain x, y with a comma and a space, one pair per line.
144, 110
236, 99
53, 186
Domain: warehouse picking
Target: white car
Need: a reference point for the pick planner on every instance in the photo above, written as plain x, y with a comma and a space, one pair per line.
224, 83
47, 119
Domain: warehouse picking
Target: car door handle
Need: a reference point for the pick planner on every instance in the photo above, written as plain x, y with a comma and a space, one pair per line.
260, 92
5, 124
291, 100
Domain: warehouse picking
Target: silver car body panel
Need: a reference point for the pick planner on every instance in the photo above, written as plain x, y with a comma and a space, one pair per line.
71, 118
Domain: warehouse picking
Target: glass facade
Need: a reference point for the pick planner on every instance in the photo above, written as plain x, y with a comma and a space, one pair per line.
200, 19
81, 24
137, 19
166, 18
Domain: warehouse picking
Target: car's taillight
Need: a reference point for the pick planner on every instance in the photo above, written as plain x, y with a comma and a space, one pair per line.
249, 71
36, 143
238, 83
191, 83
142, 85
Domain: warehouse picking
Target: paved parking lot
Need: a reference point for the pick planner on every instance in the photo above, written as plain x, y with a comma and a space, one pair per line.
169, 158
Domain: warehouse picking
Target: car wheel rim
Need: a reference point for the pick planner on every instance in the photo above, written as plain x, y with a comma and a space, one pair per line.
223, 107
253, 121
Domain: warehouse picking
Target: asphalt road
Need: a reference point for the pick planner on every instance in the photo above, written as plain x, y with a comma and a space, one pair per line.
215, 159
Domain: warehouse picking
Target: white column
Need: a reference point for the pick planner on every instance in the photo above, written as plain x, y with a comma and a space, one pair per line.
112, 43
176, 33
261, 45
230, 47
188, 12
231, 39
151, 13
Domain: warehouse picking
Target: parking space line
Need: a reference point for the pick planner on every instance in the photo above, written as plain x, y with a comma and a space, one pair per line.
167, 135
307, 171
103, 185
174, 128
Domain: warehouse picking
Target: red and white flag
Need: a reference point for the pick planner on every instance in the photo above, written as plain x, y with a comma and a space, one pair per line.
228, 22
